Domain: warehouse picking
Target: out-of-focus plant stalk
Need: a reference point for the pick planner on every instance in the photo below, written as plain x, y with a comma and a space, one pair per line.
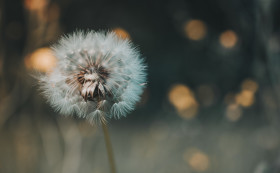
109, 148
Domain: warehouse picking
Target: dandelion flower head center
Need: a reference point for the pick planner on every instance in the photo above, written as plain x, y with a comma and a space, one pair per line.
92, 81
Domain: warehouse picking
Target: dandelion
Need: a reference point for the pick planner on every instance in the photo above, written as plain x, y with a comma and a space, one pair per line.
97, 76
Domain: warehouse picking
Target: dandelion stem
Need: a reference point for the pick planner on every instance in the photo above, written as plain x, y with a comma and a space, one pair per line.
109, 148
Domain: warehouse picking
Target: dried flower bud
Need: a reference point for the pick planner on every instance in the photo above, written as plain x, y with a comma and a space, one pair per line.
98, 75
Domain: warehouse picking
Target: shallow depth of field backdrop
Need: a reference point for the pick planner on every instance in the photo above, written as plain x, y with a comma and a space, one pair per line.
211, 105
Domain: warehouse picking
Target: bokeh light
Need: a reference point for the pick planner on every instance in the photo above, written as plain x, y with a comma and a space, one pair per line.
121, 33
195, 29
35, 4
245, 98
228, 39
41, 59
197, 160
233, 112
250, 85
183, 100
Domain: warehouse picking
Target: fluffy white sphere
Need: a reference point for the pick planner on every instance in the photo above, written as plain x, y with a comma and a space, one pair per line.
97, 76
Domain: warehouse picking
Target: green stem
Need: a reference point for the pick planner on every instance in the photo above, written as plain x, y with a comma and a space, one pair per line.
109, 148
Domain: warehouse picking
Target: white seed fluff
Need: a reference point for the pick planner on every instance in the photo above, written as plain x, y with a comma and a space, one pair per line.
98, 75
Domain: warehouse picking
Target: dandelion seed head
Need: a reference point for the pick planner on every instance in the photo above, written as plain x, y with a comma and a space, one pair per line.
97, 76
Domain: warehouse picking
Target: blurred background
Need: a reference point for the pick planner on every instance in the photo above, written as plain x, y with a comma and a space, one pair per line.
211, 104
